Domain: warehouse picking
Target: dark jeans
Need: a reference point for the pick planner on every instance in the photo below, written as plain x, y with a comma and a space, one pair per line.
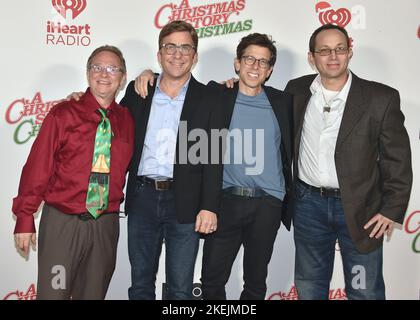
318, 223
253, 223
152, 219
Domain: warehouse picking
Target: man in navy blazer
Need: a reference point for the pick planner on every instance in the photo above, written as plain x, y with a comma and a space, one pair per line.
169, 197
253, 194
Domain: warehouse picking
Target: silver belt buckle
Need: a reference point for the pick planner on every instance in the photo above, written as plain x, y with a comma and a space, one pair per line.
247, 192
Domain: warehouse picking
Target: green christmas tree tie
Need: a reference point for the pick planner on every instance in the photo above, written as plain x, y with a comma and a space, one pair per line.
98, 189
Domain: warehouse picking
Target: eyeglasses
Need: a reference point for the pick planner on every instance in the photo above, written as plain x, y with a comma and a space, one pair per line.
262, 63
328, 51
170, 48
109, 69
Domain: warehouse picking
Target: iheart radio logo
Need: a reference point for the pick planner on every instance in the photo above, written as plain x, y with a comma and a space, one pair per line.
326, 14
62, 33
76, 7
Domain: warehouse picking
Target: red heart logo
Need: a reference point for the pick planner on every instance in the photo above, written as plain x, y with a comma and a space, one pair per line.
76, 7
340, 17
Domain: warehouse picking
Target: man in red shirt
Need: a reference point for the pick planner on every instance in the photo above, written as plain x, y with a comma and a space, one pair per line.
77, 165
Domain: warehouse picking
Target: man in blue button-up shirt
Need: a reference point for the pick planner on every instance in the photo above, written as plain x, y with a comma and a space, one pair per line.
167, 199
160, 142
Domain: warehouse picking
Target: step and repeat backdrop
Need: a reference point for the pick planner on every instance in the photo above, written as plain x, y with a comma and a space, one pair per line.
44, 48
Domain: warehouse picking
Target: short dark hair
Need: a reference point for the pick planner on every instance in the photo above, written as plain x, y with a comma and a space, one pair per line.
112, 49
258, 39
178, 26
328, 26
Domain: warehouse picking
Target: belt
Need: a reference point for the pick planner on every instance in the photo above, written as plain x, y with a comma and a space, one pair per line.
324, 192
87, 216
245, 192
158, 184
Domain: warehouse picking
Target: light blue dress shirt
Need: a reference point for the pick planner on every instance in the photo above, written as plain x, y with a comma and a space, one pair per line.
158, 156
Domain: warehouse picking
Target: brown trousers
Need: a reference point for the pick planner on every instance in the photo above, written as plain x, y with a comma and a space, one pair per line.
76, 258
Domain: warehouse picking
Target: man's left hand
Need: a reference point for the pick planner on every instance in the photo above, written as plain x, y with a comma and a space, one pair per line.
206, 222
383, 225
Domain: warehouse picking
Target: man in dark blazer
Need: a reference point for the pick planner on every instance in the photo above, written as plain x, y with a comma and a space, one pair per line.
252, 204
169, 197
352, 169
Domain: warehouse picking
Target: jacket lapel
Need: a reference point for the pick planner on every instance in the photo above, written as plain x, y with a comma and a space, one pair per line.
192, 97
282, 118
299, 108
142, 117
353, 110
230, 95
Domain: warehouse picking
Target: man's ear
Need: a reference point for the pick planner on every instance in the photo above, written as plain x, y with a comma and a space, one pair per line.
159, 57
195, 60
123, 82
237, 65
269, 72
311, 61
311, 58
350, 53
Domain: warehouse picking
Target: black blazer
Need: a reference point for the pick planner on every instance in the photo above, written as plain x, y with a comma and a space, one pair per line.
194, 184
372, 154
282, 104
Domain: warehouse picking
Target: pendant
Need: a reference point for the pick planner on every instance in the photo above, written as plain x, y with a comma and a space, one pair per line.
327, 108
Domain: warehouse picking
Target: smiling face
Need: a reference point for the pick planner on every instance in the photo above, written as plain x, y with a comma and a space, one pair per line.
332, 67
251, 77
103, 85
177, 66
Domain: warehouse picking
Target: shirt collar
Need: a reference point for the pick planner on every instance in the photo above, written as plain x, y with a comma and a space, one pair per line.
90, 104
342, 95
183, 90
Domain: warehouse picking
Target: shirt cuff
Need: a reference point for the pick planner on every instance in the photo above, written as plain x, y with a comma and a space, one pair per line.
25, 225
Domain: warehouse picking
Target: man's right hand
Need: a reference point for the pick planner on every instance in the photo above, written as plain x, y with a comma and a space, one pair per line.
146, 77
23, 240
230, 82
75, 95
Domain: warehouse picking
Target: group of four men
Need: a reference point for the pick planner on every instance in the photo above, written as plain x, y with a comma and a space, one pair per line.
345, 136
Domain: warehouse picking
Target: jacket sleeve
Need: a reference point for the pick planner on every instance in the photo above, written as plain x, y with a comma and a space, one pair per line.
129, 96
395, 162
289, 87
213, 171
